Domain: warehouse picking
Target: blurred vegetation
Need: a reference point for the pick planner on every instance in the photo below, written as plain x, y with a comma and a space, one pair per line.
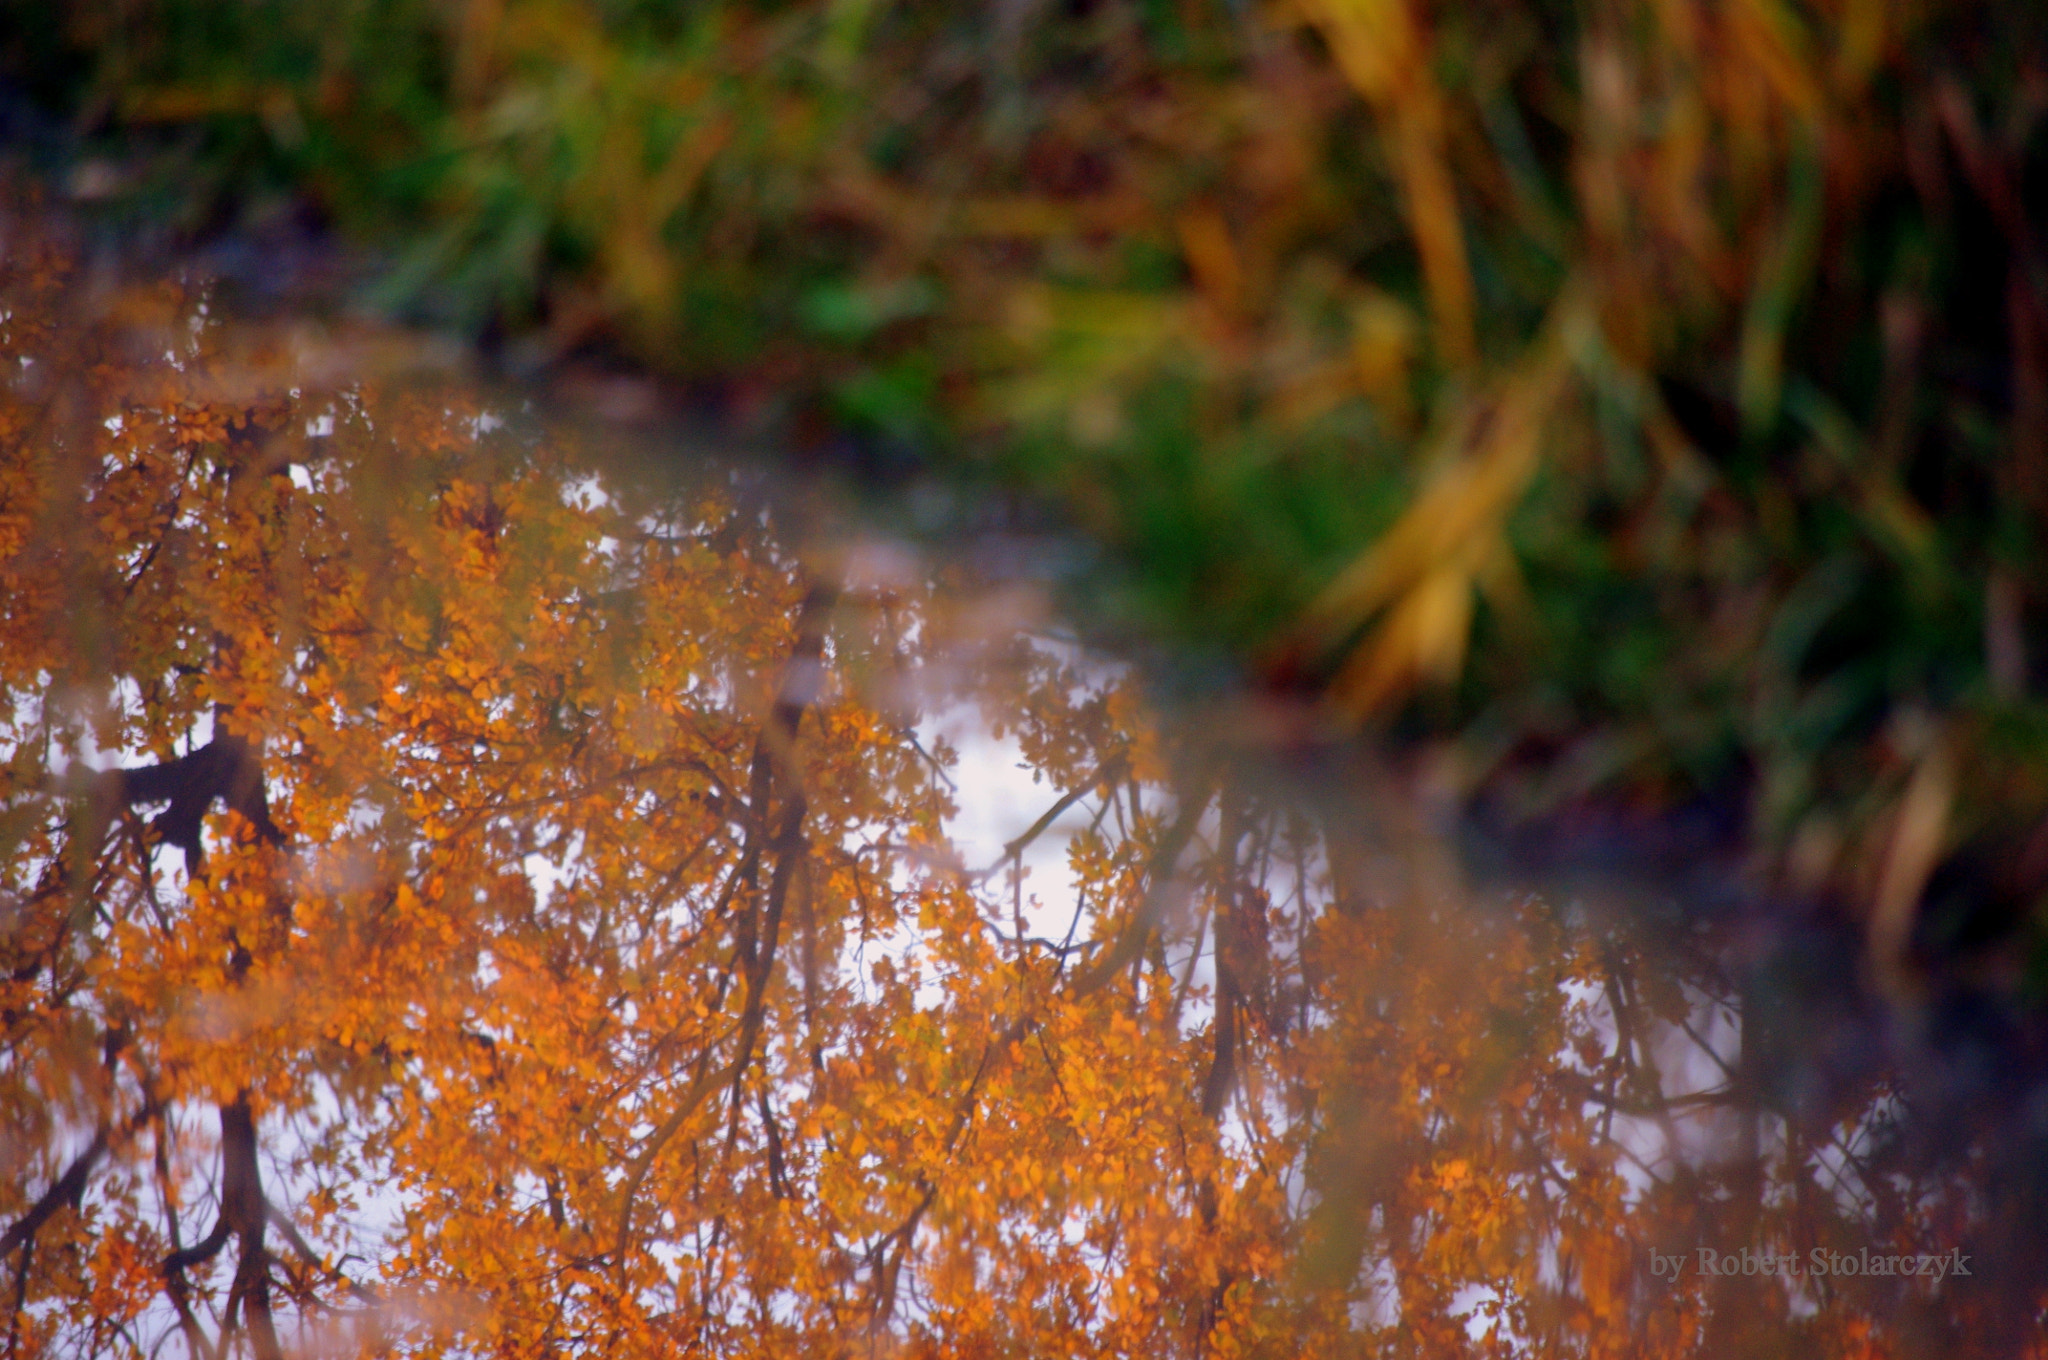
1640, 406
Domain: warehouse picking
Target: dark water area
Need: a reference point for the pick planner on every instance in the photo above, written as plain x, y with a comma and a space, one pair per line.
499, 862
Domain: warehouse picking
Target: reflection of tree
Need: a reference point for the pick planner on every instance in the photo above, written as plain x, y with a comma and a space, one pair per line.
568, 955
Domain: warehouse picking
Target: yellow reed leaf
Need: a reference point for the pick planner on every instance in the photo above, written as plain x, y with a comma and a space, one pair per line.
1212, 258
1919, 834
1865, 26
1385, 55
1382, 347
1374, 40
1421, 575
1769, 37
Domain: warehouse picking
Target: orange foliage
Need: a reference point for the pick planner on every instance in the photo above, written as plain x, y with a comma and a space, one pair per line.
572, 960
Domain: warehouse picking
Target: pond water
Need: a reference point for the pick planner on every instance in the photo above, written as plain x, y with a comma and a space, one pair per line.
496, 870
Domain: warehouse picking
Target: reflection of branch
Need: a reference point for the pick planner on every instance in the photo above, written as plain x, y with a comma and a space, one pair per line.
1624, 1036
283, 1223
174, 1282
28, 1252
1648, 1109
753, 955
636, 1170
1105, 773
888, 1263
68, 1188
1130, 940
1229, 987
244, 1213
931, 760
244, 1208
789, 845
1632, 1044
1707, 1048
199, 1252
891, 1249
227, 768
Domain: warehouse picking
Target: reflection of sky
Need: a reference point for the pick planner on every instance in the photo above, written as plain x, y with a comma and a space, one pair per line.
998, 797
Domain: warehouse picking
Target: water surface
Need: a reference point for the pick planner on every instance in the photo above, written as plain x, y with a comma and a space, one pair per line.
495, 869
